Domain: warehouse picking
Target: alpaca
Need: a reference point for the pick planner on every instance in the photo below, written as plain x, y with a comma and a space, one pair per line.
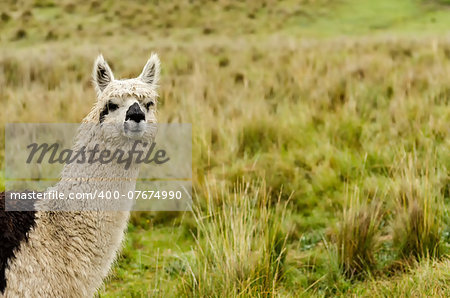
68, 254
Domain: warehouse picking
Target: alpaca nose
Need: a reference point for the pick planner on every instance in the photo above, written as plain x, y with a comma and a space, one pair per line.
135, 113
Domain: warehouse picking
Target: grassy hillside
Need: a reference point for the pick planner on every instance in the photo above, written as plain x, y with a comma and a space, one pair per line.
320, 137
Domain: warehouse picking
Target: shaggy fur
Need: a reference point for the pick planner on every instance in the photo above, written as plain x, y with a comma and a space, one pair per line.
15, 227
67, 254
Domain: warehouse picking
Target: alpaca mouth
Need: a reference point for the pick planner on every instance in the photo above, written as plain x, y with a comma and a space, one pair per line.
133, 129
137, 129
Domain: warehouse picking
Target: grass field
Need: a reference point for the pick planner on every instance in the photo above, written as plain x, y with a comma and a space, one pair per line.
321, 136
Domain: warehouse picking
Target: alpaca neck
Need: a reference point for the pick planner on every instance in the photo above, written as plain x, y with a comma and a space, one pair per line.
97, 180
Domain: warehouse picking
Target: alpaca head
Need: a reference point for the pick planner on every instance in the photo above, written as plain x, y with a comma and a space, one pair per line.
125, 108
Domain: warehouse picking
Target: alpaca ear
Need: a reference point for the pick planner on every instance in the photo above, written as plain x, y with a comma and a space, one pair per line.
150, 73
102, 74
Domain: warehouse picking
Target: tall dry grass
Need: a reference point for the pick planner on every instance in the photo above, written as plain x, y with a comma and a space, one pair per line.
418, 218
357, 234
309, 120
240, 244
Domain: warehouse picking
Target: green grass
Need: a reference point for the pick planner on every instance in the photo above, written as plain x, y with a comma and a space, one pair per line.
151, 258
374, 17
312, 97
57, 21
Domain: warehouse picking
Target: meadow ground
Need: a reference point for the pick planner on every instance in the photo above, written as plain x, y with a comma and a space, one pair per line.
320, 137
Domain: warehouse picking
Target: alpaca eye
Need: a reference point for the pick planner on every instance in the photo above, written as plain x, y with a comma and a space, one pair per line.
112, 106
149, 104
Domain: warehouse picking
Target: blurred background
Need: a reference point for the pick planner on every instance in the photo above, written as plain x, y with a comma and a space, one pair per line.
320, 137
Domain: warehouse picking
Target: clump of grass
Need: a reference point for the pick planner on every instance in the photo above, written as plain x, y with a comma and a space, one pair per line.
5, 17
51, 35
417, 224
240, 245
20, 34
357, 235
